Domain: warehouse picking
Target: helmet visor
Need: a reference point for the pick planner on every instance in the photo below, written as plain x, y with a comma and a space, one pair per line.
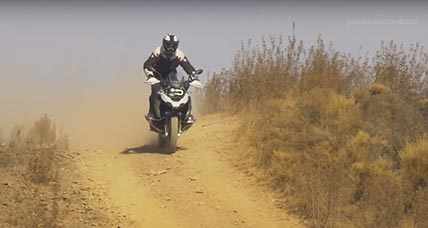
170, 46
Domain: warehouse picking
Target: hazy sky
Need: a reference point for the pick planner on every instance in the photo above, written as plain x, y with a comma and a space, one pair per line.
51, 51
117, 36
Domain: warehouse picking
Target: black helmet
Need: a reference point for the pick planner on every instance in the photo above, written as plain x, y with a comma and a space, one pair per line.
170, 44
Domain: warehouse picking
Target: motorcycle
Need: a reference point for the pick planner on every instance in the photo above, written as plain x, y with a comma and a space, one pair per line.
175, 105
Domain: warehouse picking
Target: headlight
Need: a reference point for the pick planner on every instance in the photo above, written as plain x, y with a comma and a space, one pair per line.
173, 92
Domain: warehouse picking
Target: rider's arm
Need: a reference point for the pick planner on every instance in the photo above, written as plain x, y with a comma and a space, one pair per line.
184, 63
150, 63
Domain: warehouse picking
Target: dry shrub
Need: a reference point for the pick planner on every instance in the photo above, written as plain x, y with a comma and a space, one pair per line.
402, 70
377, 198
422, 105
41, 166
395, 120
304, 151
377, 88
278, 66
328, 128
43, 132
31, 158
337, 166
215, 94
414, 168
42, 137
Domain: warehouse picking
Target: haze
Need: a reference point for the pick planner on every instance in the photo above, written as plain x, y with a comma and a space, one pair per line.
56, 57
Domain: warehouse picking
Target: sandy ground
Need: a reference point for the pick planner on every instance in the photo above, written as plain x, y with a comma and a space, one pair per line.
195, 187
64, 199
115, 176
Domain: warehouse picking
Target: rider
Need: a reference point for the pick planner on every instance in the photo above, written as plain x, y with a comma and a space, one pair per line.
164, 60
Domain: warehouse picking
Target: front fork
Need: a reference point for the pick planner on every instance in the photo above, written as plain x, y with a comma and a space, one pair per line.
163, 130
166, 129
168, 124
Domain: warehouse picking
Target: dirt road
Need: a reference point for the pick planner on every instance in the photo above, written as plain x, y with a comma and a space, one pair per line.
195, 187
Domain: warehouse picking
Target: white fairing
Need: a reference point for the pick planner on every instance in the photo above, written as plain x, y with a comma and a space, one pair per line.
196, 84
174, 104
152, 81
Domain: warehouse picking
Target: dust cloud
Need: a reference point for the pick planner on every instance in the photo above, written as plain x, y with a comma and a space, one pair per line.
107, 114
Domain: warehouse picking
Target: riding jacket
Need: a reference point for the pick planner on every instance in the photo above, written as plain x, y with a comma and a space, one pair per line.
165, 64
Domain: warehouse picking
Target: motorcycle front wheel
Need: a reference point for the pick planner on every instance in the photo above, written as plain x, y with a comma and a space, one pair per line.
173, 134
162, 140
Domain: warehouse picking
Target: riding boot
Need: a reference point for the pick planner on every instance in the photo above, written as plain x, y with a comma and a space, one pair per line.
190, 119
154, 108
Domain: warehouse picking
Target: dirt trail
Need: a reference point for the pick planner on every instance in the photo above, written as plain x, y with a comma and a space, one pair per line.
195, 187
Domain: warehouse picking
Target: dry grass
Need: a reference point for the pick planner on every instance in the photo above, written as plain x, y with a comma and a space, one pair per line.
342, 137
30, 167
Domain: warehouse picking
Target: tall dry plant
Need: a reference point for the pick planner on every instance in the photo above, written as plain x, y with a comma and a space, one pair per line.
43, 132
339, 135
32, 162
414, 170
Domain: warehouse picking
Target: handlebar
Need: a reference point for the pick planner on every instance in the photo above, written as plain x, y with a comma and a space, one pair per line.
192, 77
